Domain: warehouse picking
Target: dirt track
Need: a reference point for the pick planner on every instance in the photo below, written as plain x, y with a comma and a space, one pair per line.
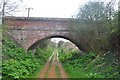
49, 70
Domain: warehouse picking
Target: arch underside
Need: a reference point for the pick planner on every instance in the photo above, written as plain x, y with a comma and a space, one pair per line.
30, 31
30, 41
35, 44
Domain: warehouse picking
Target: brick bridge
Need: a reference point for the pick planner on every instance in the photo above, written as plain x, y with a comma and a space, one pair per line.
29, 31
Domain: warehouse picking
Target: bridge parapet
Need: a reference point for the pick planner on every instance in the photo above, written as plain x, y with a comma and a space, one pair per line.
28, 31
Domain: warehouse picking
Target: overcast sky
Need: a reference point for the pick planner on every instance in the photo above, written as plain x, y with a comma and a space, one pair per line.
53, 8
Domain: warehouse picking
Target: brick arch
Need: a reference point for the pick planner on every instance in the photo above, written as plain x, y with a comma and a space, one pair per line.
9, 35
39, 39
29, 31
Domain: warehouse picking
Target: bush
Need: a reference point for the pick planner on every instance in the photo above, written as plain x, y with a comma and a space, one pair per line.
19, 64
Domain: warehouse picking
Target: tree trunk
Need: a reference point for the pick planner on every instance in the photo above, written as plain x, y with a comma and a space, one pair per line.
3, 12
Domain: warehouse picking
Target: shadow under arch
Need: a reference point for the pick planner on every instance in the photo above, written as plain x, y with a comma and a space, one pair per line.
33, 46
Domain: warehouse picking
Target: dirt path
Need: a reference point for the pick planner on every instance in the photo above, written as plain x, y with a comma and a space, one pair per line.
62, 71
49, 70
43, 72
52, 71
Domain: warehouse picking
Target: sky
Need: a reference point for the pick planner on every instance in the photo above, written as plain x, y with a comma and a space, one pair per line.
50, 8
54, 8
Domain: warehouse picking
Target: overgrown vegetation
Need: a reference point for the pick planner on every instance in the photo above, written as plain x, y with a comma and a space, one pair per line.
16, 63
97, 28
90, 65
0, 52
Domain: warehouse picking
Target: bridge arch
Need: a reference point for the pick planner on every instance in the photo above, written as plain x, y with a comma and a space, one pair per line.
35, 44
29, 31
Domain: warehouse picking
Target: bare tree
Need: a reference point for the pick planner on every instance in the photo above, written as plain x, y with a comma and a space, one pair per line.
8, 6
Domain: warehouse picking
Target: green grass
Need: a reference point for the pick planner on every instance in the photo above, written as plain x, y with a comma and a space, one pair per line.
91, 66
16, 63
37, 72
77, 74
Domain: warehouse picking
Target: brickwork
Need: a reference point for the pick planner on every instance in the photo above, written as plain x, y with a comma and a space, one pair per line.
28, 31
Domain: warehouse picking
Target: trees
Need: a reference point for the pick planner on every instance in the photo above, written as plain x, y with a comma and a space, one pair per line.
92, 18
8, 6
93, 25
94, 11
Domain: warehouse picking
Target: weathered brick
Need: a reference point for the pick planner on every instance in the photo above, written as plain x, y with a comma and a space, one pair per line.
27, 31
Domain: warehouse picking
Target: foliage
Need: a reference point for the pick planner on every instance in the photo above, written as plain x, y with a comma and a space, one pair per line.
60, 43
43, 44
19, 64
90, 65
96, 27
43, 54
94, 11
63, 56
0, 51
